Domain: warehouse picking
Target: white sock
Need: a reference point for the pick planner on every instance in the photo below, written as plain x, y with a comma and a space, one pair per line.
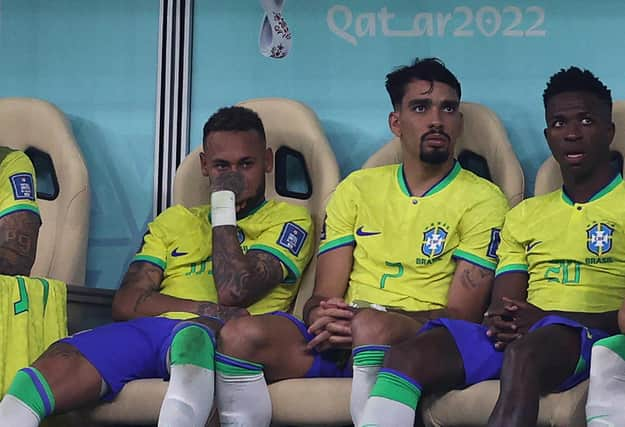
189, 398
362, 383
383, 412
242, 394
606, 393
15, 413
368, 360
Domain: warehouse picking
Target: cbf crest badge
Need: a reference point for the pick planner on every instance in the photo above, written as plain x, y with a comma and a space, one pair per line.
434, 240
599, 238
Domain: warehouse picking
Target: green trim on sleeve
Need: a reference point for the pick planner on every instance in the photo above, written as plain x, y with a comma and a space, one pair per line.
474, 259
151, 259
21, 207
332, 244
290, 265
511, 267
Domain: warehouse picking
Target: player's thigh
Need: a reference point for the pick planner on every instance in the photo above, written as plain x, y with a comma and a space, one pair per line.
74, 381
277, 342
432, 358
552, 352
378, 327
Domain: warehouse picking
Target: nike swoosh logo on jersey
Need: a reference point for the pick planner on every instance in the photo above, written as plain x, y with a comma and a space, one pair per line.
533, 245
176, 253
363, 233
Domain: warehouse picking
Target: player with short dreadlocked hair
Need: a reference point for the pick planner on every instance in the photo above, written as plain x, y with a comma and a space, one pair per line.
558, 284
575, 78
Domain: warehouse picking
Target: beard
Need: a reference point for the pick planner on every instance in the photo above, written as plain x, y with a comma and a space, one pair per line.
434, 157
437, 155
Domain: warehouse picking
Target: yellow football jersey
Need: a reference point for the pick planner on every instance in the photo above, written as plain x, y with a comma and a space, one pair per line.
34, 315
574, 253
17, 183
405, 245
179, 241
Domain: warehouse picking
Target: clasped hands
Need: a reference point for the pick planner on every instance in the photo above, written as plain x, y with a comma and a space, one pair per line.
509, 320
330, 323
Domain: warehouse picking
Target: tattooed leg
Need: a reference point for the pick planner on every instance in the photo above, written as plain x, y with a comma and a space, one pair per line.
73, 380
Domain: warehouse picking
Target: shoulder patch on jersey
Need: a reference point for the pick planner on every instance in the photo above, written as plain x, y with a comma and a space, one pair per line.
292, 238
22, 185
495, 238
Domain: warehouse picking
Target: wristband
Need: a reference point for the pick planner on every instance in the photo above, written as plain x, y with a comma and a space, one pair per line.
366, 304
223, 210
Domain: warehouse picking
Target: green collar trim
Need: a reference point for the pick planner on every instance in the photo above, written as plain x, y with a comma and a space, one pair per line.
439, 186
605, 190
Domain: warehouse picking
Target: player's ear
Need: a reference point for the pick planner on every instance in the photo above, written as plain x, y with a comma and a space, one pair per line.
204, 163
394, 124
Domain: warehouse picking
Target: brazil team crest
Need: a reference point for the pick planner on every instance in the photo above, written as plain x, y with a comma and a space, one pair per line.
433, 241
599, 239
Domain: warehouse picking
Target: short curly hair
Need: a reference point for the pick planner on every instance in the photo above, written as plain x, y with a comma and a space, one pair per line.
574, 79
234, 118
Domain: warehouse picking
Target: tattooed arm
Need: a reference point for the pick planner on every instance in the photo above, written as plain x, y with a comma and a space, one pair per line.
467, 297
139, 296
469, 291
241, 280
18, 242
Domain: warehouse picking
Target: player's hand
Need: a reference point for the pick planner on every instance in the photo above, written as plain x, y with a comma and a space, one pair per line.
524, 314
226, 313
231, 181
223, 312
501, 328
331, 324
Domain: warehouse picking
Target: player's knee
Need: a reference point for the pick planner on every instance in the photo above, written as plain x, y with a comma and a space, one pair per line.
370, 327
59, 359
242, 337
193, 345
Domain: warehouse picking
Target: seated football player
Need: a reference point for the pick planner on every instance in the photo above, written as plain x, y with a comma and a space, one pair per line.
559, 282
241, 255
402, 243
